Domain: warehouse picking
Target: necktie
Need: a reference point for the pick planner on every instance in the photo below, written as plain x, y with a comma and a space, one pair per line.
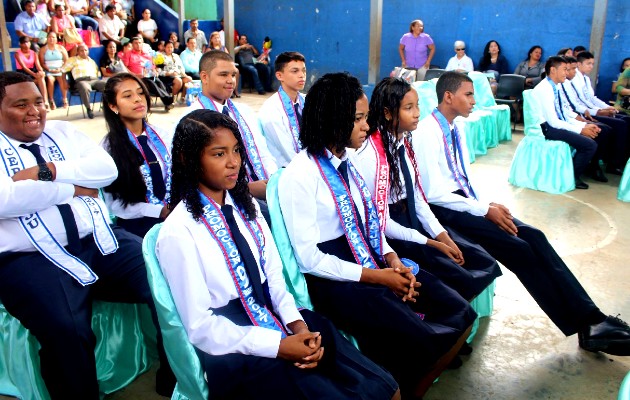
67, 216
226, 111
411, 201
298, 115
159, 188
564, 89
251, 266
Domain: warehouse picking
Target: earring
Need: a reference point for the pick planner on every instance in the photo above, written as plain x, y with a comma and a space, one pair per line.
116, 112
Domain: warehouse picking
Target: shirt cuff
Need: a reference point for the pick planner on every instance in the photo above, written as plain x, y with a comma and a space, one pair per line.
266, 344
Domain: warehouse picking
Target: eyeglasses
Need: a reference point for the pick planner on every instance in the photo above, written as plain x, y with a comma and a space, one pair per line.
462, 49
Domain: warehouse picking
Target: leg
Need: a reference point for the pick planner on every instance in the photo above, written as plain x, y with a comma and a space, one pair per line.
618, 141
585, 148
78, 22
254, 74
40, 81
63, 86
420, 73
264, 73
237, 89
50, 86
177, 86
85, 89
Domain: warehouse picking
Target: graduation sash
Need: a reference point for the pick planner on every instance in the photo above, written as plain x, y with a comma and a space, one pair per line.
214, 221
39, 234
248, 137
452, 142
164, 155
294, 126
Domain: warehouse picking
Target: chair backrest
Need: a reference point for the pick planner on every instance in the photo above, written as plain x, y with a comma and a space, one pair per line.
510, 85
624, 389
427, 97
180, 352
296, 284
532, 114
433, 73
483, 92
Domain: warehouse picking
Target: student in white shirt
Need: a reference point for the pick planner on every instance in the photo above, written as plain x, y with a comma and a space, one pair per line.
354, 277
139, 196
411, 228
521, 248
280, 114
588, 140
57, 251
225, 274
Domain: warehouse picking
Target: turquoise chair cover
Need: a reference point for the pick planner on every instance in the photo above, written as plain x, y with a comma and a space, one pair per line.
483, 305
624, 389
124, 334
485, 101
538, 163
191, 384
623, 192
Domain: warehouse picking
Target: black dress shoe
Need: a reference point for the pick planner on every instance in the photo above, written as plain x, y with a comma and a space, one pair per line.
598, 175
614, 171
165, 382
455, 363
610, 336
465, 350
579, 184
90, 114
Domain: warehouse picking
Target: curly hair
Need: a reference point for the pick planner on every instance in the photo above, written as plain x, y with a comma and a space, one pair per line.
192, 135
129, 187
387, 95
329, 112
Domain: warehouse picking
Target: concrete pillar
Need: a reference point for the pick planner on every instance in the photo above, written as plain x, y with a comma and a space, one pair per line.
598, 27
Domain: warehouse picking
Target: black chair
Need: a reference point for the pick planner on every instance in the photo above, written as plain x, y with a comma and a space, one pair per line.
433, 73
510, 91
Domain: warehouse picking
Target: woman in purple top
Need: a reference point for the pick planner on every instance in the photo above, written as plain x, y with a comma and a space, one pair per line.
416, 49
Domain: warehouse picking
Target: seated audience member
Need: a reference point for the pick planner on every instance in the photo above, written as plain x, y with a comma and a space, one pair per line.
142, 153
494, 63
587, 139
160, 46
111, 27
622, 88
326, 209
624, 64
565, 52
41, 8
387, 162
173, 74
259, 71
29, 24
577, 50
416, 49
521, 248
79, 10
85, 73
52, 56
141, 64
125, 11
110, 64
281, 114
179, 47
215, 44
57, 252
59, 22
190, 58
27, 63
460, 62
218, 73
251, 339
582, 102
148, 29
197, 34
532, 67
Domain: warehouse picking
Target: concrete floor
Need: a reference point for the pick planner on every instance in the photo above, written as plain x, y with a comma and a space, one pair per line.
519, 353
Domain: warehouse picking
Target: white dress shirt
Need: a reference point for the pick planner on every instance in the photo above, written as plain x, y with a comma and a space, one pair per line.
544, 94
365, 160
438, 181
310, 216
86, 164
464, 63
200, 281
587, 94
570, 96
144, 209
274, 123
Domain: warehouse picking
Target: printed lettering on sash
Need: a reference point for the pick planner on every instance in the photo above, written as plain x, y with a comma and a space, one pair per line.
294, 125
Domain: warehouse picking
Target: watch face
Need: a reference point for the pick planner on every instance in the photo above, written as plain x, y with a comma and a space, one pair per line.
45, 174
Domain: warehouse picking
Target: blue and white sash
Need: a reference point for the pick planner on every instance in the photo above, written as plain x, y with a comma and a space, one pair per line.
214, 221
248, 137
449, 147
289, 110
145, 170
39, 234
346, 211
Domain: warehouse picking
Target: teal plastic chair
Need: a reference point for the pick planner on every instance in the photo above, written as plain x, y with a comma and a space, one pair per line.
538, 163
485, 101
624, 389
623, 193
296, 284
191, 384
119, 360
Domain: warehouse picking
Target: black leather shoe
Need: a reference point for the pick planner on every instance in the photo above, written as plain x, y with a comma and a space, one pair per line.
455, 363
90, 114
611, 336
165, 382
598, 175
614, 171
579, 184
465, 350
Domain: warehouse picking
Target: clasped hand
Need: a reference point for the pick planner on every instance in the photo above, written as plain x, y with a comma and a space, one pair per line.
304, 348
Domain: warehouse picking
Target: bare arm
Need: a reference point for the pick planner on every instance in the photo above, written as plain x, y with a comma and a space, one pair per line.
401, 51
431, 54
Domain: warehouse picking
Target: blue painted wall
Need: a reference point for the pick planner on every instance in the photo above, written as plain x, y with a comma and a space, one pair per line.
334, 36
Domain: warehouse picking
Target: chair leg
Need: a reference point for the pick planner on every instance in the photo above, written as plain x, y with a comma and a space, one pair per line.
69, 102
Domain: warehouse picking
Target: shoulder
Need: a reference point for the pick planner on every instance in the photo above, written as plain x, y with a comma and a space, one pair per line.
300, 164
178, 223
270, 105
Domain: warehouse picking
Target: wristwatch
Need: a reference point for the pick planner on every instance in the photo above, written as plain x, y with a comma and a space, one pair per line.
44, 174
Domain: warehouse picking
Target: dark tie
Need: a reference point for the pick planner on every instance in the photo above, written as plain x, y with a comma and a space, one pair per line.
226, 111
411, 201
159, 188
298, 115
67, 216
251, 266
569, 99
454, 144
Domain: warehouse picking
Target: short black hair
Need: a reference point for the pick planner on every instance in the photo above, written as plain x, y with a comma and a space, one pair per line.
577, 49
209, 59
585, 55
11, 78
570, 59
554, 61
190, 38
110, 7
450, 82
286, 57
